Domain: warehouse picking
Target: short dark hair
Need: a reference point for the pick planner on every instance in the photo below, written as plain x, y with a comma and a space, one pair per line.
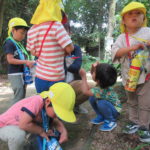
67, 27
106, 74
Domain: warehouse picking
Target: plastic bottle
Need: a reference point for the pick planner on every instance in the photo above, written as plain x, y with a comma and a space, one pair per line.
53, 144
135, 69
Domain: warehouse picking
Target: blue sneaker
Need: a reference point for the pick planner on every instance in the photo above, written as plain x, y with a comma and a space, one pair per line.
108, 125
97, 120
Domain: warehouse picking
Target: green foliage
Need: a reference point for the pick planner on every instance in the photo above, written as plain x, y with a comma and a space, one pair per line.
91, 14
142, 146
88, 60
17, 8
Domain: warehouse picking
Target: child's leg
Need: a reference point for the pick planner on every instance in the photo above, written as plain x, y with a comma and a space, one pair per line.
110, 115
93, 103
144, 111
99, 118
14, 136
107, 110
133, 107
144, 104
17, 84
44, 85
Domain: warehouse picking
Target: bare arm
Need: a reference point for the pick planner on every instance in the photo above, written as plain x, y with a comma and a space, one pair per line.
61, 128
14, 61
26, 123
85, 87
69, 48
123, 51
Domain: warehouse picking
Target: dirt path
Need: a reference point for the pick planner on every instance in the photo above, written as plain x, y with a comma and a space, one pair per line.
83, 135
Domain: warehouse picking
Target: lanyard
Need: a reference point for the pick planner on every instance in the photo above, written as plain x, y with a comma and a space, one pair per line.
139, 39
45, 38
128, 45
20, 48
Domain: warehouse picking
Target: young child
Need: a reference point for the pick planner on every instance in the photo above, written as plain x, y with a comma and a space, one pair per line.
25, 115
73, 62
49, 46
17, 29
134, 25
102, 97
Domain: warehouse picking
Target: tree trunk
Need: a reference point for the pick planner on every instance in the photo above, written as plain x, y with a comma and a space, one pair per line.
111, 23
2, 7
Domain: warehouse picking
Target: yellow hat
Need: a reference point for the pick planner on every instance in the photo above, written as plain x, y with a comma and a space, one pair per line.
62, 97
16, 22
47, 10
133, 6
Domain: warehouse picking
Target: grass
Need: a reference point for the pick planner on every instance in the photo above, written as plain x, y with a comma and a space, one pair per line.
139, 147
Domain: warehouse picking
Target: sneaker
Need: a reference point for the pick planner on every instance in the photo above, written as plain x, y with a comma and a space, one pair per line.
108, 126
131, 128
144, 135
97, 120
80, 110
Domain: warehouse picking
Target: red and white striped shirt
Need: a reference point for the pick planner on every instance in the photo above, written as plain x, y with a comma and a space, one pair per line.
50, 64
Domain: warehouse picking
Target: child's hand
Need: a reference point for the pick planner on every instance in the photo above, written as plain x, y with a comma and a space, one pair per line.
63, 137
137, 46
44, 135
93, 67
50, 133
82, 72
148, 43
30, 63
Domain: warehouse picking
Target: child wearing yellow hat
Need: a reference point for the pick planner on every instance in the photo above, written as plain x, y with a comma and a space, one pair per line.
48, 40
25, 115
124, 50
17, 56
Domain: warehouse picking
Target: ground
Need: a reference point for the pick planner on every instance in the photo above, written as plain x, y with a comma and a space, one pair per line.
82, 134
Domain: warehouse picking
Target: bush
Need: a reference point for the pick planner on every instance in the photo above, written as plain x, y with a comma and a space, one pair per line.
88, 60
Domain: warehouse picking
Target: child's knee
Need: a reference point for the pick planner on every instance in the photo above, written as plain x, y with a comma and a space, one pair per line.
17, 140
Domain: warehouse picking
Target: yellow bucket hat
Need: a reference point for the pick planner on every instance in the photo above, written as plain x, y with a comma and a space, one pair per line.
47, 10
16, 22
62, 97
133, 6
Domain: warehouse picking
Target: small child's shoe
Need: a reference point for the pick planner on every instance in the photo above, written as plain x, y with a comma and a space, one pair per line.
108, 125
97, 120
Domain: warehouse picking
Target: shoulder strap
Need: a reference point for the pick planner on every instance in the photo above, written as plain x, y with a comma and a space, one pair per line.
128, 44
18, 49
45, 37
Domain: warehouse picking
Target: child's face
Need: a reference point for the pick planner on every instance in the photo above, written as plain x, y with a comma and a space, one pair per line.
19, 34
49, 109
133, 19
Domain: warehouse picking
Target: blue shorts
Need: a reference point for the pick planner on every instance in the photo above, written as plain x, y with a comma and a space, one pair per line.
44, 85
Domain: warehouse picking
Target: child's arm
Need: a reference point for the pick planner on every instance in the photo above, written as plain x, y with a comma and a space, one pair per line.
69, 48
14, 61
148, 43
85, 86
123, 51
61, 128
26, 123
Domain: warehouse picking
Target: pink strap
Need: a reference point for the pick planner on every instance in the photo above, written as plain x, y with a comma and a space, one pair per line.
128, 44
127, 40
45, 37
